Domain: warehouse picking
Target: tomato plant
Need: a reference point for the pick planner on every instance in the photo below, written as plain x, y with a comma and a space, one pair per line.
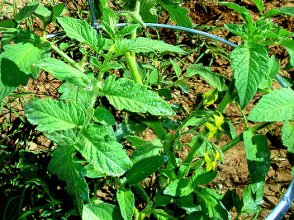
116, 91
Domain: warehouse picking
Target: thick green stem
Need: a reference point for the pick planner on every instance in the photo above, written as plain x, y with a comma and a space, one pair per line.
239, 138
131, 60
66, 57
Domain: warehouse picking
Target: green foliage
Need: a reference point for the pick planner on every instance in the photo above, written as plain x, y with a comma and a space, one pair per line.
117, 143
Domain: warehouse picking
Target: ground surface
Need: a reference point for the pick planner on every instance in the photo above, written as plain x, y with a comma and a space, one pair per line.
233, 173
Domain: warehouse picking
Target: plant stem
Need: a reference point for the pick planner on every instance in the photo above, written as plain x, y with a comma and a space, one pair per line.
66, 57
239, 138
131, 60
158, 212
142, 193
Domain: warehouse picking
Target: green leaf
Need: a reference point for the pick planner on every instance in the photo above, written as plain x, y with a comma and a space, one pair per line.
103, 211
177, 13
249, 204
259, 5
213, 79
63, 137
52, 115
289, 45
83, 97
273, 70
179, 187
250, 65
148, 11
279, 11
103, 116
144, 168
82, 32
126, 94
211, 203
109, 21
63, 165
27, 11
57, 11
241, 10
144, 45
5, 91
98, 146
237, 29
24, 55
275, 106
145, 151
258, 160
126, 201
62, 71
43, 13
10, 23
288, 136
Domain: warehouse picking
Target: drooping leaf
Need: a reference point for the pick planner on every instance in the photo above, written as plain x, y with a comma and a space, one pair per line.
27, 11
63, 165
82, 32
83, 97
213, 79
51, 115
275, 106
5, 91
126, 201
24, 55
62, 71
258, 160
144, 45
177, 13
144, 168
211, 203
288, 136
126, 94
102, 211
250, 65
98, 146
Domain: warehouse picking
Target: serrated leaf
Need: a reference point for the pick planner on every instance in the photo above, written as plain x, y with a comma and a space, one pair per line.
288, 136
26, 11
213, 79
250, 65
62, 71
63, 137
273, 70
83, 97
82, 32
68, 170
237, 29
126, 201
177, 13
103, 211
24, 55
51, 115
144, 45
275, 106
144, 168
211, 203
258, 160
126, 94
98, 146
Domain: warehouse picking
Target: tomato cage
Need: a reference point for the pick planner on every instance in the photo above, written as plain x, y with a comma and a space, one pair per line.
285, 203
